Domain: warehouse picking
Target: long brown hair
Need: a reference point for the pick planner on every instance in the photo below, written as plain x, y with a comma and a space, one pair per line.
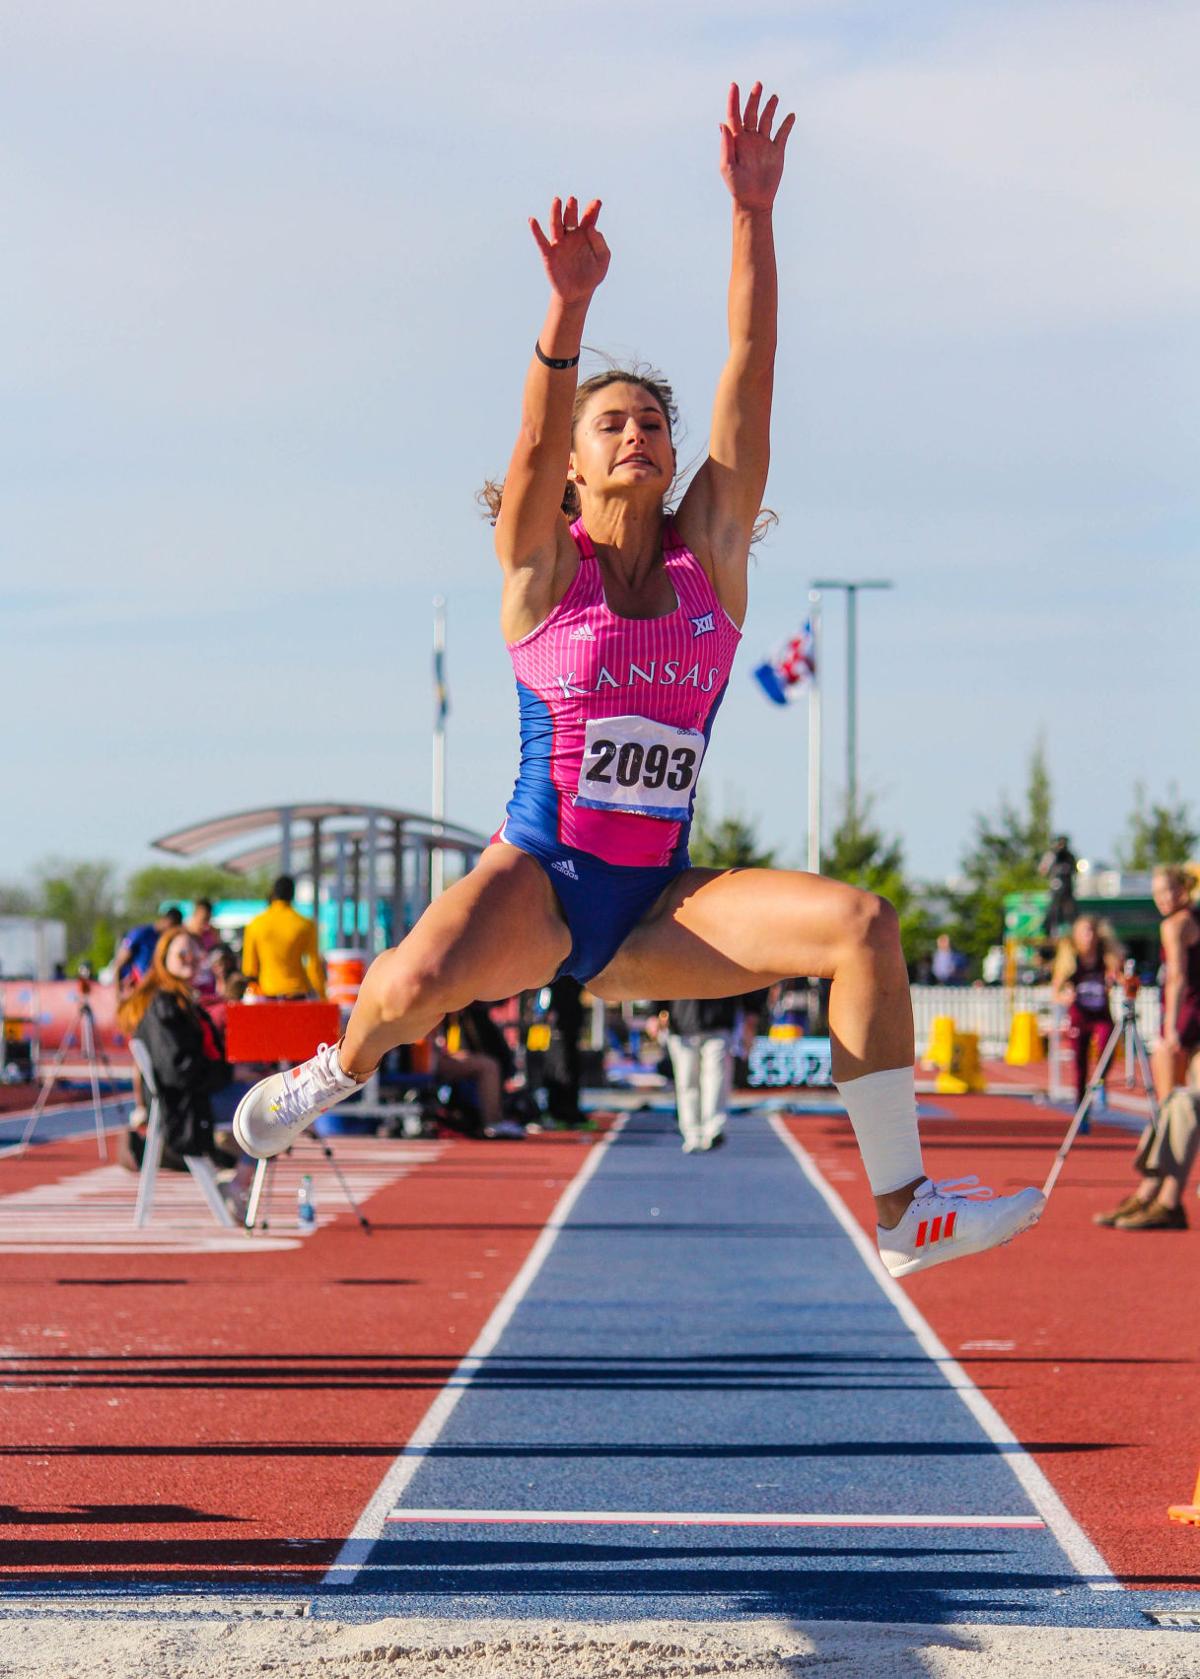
1066, 958
133, 1010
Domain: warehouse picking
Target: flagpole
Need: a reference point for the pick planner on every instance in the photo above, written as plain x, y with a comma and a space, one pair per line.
814, 735
437, 856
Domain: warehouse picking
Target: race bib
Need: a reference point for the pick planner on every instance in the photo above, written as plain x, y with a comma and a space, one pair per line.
639, 766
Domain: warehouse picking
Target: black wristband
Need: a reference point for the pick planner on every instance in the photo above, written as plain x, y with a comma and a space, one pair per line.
558, 363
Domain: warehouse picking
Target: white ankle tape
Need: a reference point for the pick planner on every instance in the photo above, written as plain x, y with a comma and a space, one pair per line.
883, 1112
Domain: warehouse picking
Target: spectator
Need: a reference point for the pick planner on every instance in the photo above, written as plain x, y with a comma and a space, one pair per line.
1058, 867
279, 953
230, 983
188, 1057
562, 1069
698, 1041
1176, 1058
135, 953
199, 923
1164, 1159
482, 1059
947, 964
1086, 966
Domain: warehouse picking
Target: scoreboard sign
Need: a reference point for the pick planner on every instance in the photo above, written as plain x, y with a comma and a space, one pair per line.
783, 1062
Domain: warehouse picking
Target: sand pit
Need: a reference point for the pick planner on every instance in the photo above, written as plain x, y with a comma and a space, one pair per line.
178, 1643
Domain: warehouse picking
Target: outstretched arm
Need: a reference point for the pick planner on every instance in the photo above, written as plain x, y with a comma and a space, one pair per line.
1176, 959
575, 258
724, 499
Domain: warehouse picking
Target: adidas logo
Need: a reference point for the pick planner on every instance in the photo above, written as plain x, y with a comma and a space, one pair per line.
565, 866
937, 1231
585, 632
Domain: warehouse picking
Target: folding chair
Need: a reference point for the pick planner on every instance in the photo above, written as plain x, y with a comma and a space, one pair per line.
200, 1169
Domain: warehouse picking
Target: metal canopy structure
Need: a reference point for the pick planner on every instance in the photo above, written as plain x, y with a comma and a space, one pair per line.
346, 850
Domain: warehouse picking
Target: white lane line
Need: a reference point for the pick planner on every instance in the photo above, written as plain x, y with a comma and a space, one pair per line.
91, 1212
371, 1525
1081, 1553
704, 1518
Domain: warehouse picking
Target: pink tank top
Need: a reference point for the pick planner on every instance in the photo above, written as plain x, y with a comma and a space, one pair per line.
616, 714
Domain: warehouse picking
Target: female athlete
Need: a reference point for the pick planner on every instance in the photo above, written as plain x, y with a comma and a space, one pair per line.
622, 620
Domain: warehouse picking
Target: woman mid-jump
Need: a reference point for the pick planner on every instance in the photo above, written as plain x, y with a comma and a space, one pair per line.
622, 620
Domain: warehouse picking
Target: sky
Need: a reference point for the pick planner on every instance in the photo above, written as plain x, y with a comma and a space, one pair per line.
266, 302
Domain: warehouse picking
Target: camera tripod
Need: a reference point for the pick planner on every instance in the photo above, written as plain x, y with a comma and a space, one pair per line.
81, 1031
260, 1191
1127, 1033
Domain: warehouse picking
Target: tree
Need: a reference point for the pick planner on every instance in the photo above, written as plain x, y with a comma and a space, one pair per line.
16, 899
1003, 857
81, 894
860, 854
162, 883
730, 843
1158, 833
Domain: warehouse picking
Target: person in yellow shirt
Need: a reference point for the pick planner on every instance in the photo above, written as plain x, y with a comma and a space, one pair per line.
279, 951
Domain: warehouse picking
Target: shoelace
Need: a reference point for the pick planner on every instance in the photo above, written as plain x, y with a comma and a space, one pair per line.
966, 1189
299, 1096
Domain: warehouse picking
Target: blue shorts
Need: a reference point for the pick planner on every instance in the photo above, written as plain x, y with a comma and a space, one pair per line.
601, 902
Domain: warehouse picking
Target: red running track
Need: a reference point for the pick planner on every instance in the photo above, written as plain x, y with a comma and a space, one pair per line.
1093, 1332
225, 1417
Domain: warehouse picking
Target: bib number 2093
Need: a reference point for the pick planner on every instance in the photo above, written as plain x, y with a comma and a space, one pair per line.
640, 766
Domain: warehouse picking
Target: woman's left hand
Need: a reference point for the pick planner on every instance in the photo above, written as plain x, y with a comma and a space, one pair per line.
751, 160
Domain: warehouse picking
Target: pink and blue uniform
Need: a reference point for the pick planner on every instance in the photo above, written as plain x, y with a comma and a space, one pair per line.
615, 719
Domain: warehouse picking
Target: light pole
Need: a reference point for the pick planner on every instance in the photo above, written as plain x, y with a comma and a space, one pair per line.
851, 588
437, 857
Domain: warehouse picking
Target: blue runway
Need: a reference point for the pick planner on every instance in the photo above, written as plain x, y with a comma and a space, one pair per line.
704, 1337
66, 1120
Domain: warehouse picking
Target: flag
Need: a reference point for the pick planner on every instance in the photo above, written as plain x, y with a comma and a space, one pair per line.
441, 694
789, 669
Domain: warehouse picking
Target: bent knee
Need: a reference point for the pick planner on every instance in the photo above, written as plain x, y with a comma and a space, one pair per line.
405, 985
873, 922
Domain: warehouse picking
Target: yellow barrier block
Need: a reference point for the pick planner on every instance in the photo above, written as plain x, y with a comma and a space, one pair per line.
538, 1038
786, 1031
964, 1073
1025, 1042
940, 1050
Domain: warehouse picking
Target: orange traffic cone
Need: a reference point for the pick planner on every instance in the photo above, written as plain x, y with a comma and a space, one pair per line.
1189, 1513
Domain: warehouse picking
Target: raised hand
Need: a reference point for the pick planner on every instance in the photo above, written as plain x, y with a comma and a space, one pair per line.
575, 255
751, 160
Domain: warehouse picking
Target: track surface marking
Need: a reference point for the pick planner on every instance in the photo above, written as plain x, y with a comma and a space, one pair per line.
220, 1419
704, 1338
1082, 1338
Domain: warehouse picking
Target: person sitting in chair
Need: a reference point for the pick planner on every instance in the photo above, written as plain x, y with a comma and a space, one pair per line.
187, 1054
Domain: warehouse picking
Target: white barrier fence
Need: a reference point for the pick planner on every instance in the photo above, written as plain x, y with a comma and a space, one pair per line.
989, 1010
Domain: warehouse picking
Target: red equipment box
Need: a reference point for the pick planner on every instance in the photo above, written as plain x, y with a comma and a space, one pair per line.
280, 1031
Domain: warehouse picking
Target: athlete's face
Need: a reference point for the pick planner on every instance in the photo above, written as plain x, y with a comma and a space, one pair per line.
181, 958
622, 442
1084, 935
1167, 897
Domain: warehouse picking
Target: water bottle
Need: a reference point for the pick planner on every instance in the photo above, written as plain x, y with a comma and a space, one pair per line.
306, 1207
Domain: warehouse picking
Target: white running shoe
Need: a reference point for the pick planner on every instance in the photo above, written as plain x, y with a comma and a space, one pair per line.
952, 1219
272, 1113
